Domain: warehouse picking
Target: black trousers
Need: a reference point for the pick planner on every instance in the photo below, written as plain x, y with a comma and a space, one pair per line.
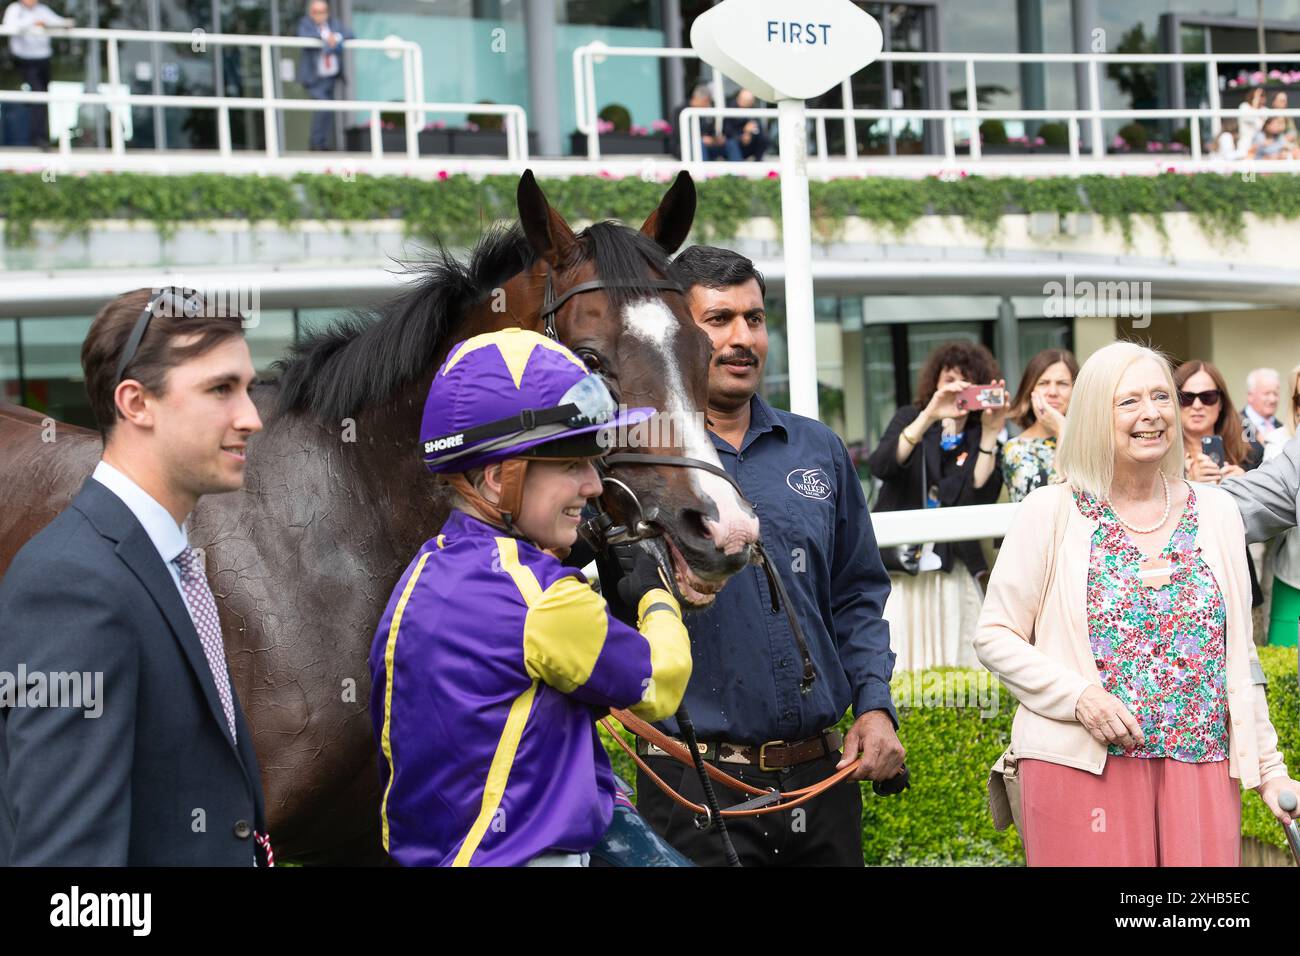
825, 831
36, 74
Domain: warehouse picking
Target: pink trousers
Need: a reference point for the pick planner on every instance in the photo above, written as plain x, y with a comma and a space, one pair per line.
1138, 812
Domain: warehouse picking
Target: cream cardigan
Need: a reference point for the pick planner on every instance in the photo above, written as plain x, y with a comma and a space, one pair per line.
1033, 633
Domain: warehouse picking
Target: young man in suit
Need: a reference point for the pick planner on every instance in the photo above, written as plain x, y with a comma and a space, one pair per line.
110, 591
319, 70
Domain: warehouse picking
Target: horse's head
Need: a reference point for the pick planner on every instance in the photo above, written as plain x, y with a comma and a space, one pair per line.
637, 332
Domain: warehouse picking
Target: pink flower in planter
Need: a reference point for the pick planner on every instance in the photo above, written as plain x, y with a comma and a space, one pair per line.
661, 126
436, 124
442, 174
604, 126
1039, 141
639, 131
472, 127
773, 174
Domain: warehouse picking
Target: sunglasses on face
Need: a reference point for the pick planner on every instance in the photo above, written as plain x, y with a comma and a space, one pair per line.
1208, 398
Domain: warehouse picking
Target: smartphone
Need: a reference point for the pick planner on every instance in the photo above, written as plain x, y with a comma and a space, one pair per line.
1212, 447
976, 398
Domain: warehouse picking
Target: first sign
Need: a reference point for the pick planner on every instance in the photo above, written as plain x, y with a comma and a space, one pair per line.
759, 45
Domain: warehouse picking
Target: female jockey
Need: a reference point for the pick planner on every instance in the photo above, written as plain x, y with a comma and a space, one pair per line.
493, 661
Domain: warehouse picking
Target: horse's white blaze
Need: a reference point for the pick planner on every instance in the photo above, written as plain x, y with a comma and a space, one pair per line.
653, 324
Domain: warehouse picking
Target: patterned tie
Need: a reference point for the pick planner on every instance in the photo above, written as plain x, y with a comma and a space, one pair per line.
203, 609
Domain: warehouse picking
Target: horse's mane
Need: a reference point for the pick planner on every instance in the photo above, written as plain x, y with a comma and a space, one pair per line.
367, 357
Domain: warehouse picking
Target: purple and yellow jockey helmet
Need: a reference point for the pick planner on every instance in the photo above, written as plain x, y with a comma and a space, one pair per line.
514, 393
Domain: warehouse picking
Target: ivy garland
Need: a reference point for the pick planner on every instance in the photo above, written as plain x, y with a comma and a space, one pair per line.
455, 209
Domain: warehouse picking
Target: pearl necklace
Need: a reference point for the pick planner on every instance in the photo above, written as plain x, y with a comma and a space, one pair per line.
1154, 527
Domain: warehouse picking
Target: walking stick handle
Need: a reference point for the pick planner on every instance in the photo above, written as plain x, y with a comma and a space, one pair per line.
1287, 801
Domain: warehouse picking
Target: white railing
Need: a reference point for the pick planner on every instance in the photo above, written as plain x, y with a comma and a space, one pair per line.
585, 99
691, 133
119, 98
938, 525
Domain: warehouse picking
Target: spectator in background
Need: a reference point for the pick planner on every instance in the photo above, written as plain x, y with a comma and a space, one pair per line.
934, 455
1249, 122
32, 53
320, 70
1280, 103
1040, 406
746, 133
1225, 144
1284, 615
716, 144
1206, 410
1273, 143
1258, 418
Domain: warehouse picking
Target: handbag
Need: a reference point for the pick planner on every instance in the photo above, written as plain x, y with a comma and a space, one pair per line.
1004, 776
906, 558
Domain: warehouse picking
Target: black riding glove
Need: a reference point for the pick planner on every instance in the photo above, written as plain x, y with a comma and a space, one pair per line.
641, 572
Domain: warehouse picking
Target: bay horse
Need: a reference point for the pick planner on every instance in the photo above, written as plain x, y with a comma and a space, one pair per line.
336, 501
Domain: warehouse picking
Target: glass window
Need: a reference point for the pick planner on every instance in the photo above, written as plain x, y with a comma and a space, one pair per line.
10, 373
270, 338
645, 14
52, 368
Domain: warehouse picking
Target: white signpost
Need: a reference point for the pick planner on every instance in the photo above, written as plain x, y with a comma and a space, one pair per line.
786, 52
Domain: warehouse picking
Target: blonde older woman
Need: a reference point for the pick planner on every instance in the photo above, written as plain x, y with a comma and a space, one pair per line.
1118, 614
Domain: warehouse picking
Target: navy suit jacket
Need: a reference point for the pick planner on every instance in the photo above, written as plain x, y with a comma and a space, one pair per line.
309, 58
155, 779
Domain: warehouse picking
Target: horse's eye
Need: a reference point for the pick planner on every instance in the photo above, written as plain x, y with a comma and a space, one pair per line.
590, 359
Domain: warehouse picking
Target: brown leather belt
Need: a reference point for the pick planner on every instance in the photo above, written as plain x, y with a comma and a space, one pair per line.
771, 756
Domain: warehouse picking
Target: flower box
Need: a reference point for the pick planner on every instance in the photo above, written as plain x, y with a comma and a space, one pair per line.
626, 144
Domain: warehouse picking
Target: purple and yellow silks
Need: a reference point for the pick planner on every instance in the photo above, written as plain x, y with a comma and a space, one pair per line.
490, 666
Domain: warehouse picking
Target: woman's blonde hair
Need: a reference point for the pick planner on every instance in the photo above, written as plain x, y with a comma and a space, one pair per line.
1086, 458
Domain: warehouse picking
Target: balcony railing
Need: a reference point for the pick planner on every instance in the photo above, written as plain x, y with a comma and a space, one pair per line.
119, 99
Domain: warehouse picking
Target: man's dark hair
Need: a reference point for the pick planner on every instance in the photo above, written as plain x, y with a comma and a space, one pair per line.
715, 268
107, 338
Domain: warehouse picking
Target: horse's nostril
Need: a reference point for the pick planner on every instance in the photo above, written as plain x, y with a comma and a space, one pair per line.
695, 524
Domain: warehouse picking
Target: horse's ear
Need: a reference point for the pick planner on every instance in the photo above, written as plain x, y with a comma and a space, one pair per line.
670, 224
547, 232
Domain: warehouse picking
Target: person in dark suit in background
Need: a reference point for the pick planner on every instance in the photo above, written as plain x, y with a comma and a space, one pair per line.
319, 70
110, 593
1259, 417
747, 132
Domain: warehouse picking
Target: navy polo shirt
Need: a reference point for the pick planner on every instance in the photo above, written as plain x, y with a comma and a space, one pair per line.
815, 526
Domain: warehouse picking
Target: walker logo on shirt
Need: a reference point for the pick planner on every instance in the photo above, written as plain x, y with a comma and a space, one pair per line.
809, 482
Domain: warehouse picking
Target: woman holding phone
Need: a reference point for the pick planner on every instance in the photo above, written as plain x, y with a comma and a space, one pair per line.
940, 452
1207, 412
1118, 614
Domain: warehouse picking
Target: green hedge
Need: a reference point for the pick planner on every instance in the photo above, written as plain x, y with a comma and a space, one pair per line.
455, 209
954, 723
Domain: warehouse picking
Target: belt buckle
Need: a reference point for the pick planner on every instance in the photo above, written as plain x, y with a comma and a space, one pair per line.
762, 756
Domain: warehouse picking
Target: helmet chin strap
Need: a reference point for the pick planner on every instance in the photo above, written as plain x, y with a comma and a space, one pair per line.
506, 510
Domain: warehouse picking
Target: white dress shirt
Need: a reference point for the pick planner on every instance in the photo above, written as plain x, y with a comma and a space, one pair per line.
34, 45
169, 538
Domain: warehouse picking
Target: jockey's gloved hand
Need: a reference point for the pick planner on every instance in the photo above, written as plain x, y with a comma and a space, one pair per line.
641, 572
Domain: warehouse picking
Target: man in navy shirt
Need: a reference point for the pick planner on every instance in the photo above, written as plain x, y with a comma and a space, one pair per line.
744, 694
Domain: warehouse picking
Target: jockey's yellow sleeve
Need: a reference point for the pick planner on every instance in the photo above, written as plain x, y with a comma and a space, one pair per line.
573, 643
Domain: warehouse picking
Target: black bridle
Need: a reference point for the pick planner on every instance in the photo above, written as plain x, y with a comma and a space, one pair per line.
601, 532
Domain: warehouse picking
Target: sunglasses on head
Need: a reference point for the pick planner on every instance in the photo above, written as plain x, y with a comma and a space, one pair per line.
172, 302
1208, 398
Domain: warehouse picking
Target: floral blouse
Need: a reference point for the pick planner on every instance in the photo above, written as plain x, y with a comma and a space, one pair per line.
1028, 463
1160, 651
